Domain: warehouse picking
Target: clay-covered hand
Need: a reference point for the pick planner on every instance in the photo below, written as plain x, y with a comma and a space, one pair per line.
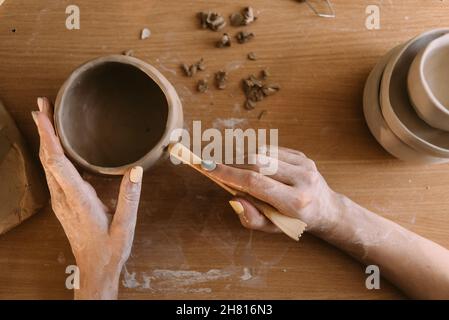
101, 242
297, 189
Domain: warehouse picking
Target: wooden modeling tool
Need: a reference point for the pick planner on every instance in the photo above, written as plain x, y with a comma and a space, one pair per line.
290, 226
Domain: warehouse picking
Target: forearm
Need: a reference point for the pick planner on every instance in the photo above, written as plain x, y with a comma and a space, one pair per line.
416, 265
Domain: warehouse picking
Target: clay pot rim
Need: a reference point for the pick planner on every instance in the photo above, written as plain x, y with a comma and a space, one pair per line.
423, 58
172, 103
393, 121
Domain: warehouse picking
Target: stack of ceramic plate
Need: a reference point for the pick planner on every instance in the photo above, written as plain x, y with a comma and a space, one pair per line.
406, 99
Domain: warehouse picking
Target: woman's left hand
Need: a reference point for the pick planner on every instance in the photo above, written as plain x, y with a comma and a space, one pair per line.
101, 242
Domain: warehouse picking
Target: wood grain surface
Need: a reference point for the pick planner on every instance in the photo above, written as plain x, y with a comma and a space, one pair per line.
188, 242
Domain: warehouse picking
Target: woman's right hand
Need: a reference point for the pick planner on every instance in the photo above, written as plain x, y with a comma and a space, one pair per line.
297, 189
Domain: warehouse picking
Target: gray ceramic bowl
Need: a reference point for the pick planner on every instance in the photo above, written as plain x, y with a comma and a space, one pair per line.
376, 122
397, 108
428, 80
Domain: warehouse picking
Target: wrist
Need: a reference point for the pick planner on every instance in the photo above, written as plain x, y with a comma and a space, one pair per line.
326, 217
98, 282
351, 224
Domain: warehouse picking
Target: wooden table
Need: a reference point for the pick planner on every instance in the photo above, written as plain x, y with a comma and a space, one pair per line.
188, 242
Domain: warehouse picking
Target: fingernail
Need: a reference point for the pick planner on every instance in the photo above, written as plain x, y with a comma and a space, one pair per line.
237, 206
34, 115
40, 103
135, 176
208, 165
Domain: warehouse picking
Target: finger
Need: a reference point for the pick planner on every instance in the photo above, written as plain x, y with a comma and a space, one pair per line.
262, 187
251, 218
289, 156
56, 192
57, 198
54, 160
292, 151
45, 106
274, 168
49, 142
124, 221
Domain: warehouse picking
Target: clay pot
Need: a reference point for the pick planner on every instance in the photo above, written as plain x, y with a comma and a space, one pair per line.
427, 83
116, 112
396, 107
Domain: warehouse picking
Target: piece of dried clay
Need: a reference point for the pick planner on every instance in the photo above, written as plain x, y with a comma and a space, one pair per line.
252, 56
250, 104
237, 19
129, 53
202, 85
261, 114
23, 190
270, 89
212, 20
220, 79
224, 42
200, 65
145, 34
248, 15
264, 74
190, 71
243, 18
256, 89
243, 36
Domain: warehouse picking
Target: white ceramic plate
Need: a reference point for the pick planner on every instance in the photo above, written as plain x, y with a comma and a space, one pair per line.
376, 121
396, 107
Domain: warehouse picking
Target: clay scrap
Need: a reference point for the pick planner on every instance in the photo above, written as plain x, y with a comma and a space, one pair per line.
243, 36
252, 56
221, 78
129, 53
256, 89
202, 86
145, 34
212, 20
243, 18
191, 70
224, 42
23, 189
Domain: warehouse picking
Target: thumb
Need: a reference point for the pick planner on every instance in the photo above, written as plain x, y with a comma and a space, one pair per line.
250, 217
124, 221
